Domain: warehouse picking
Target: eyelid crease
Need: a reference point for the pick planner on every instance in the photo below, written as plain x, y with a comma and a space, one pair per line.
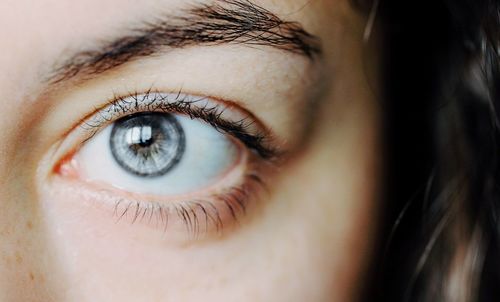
247, 129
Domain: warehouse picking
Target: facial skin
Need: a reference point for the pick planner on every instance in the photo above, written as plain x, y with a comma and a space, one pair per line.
307, 237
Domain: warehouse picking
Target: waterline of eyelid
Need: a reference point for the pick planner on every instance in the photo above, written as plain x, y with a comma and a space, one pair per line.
71, 168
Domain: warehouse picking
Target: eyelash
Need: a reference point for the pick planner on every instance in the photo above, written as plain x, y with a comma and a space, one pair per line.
207, 212
195, 214
211, 114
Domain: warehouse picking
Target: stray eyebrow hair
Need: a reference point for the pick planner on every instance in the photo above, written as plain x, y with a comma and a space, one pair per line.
221, 22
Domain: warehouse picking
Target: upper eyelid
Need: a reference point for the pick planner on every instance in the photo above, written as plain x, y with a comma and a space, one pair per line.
154, 101
246, 127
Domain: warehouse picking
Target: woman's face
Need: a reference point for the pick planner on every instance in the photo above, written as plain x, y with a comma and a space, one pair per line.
167, 150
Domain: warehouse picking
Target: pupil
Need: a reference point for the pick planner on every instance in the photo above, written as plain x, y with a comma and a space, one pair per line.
147, 144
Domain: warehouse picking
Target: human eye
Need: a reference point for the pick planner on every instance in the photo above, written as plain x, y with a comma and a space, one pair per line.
169, 160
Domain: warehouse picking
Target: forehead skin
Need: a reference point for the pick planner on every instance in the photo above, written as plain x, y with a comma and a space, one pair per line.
314, 242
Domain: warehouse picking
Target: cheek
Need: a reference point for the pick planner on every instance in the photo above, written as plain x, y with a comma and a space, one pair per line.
279, 256
104, 259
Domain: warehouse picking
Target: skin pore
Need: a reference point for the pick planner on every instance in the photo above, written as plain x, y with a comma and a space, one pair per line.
305, 235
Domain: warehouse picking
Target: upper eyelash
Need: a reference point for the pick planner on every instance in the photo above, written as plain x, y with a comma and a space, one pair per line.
211, 114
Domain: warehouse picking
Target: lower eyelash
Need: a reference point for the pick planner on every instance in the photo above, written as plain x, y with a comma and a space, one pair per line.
199, 216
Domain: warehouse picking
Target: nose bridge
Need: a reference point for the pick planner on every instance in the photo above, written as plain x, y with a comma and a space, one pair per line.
18, 231
24, 254
18, 72
18, 244
15, 113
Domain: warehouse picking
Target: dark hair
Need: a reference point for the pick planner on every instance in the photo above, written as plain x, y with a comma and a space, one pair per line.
441, 239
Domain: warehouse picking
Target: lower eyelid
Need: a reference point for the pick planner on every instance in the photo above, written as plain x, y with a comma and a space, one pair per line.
203, 217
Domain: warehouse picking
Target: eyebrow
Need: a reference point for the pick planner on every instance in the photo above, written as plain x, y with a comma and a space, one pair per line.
221, 22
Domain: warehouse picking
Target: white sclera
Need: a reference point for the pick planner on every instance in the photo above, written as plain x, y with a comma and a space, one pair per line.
207, 155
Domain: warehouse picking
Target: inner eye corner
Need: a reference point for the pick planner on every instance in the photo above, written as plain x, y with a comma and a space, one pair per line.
136, 138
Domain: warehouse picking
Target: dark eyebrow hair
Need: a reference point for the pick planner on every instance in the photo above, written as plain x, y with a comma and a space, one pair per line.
221, 22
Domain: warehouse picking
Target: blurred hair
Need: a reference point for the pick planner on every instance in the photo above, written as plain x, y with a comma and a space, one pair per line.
441, 239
